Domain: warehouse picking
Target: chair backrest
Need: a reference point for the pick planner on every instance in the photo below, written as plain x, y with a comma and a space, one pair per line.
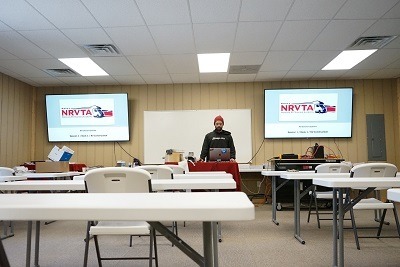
157, 171
333, 168
4, 171
176, 169
374, 170
118, 180
184, 164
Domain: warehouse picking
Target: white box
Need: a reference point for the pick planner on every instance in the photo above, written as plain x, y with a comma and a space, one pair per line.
60, 154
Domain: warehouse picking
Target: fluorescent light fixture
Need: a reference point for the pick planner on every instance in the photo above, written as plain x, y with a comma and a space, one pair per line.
348, 59
84, 66
215, 62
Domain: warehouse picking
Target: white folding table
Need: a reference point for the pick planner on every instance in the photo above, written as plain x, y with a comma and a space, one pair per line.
50, 175
207, 207
157, 185
339, 185
394, 194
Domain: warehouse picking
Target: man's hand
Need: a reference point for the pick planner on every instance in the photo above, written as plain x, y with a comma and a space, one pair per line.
201, 160
232, 160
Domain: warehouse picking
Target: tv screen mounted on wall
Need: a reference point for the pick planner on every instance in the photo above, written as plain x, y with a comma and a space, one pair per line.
308, 113
87, 117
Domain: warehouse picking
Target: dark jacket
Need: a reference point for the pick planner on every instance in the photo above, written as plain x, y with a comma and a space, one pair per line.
216, 139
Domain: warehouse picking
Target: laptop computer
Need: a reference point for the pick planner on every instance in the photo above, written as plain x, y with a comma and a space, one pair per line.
220, 154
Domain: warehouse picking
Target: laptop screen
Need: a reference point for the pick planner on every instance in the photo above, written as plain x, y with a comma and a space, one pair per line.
219, 154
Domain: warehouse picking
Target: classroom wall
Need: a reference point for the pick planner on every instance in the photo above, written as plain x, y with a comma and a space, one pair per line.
16, 116
370, 97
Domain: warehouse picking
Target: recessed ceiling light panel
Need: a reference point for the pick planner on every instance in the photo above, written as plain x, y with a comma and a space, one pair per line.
215, 62
84, 66
348, 59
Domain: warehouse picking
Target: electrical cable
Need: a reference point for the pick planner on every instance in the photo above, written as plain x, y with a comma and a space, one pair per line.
257, 151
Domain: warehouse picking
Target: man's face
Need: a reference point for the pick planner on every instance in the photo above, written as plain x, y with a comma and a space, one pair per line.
218, 125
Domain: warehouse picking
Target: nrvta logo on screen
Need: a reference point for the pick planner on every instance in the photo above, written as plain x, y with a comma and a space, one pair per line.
307, 107
86, 112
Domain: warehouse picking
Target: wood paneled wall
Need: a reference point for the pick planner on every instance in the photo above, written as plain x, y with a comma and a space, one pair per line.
370, 97
16, 116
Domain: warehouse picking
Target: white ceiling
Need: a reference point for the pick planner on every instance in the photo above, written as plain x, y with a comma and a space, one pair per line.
158, 39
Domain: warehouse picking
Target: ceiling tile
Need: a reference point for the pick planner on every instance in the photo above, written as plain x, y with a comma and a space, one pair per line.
247, 58
293, 35
101, 80
54, 42
47, 81
385, 74
75, 81
394, 65
157, 79
213, 77
10, 73
129, 79
364, 9
115, 65
59, 12
20, 15
116, 13
22, 68
264, 10
46, 63
159, 12
173, 39
348, 30
394, 12
5, 55
299, 75
152, 64
88, 36
314, 9
214, 38
207, 11
4, 27
280, 60
314, 60
384, 27
379, 59
182, 64
241, 77
270, 75
357, 74
329, 74
133, 40
16, 44
185, 78
255, 36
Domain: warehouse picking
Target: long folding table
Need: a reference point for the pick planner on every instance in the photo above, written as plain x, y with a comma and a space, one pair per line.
207, 207
339, 185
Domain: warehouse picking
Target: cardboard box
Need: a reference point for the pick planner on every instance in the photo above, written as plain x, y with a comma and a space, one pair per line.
56, 166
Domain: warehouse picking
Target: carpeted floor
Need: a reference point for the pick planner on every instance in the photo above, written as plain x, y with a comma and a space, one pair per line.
251, 243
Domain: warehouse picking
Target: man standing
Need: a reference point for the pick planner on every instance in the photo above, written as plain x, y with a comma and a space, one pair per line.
218, 138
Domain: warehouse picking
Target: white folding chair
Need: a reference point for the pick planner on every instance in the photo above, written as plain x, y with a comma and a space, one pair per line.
176, 169
160, 172
373, 203
325, 195
119, 180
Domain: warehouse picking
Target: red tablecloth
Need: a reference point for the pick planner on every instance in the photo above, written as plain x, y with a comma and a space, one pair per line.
229, 167
73, 167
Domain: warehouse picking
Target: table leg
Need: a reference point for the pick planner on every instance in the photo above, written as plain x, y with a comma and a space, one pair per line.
341, 241
28, 244
334, 227
210, 244
37, 241
274, 200
3, 256
296, 202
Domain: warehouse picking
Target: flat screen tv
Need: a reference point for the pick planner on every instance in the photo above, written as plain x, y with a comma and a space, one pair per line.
308, 113
87, 117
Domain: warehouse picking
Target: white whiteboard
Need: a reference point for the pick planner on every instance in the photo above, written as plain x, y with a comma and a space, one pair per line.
184, 130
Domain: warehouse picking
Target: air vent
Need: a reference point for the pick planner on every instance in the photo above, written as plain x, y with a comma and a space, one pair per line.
244, 69
61, 72
371, 42
101, 50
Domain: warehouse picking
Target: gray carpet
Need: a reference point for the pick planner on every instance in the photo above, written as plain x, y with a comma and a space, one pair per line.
251, 243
